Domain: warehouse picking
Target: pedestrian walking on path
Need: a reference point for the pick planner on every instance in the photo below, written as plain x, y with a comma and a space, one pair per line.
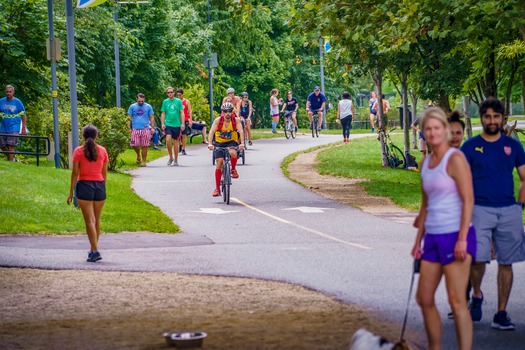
90, 166
497, 216
445, 229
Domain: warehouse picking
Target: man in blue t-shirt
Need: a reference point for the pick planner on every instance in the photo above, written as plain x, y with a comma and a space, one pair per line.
315, 103
141, 126
497, 216
13, 116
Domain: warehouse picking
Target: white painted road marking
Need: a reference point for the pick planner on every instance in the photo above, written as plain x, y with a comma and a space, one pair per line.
214, 211
308, 209
319, 233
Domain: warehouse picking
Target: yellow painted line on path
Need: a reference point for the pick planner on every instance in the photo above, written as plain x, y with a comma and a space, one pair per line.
319, 233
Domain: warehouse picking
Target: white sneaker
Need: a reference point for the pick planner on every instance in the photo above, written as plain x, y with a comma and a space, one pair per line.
170, 161
175, 163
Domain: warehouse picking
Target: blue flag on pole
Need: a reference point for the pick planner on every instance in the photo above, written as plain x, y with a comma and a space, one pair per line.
81, 4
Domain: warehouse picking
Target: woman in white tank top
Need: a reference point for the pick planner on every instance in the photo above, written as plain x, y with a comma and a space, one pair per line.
446, 240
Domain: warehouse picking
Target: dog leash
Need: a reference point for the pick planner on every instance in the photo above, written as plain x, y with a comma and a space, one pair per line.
415, 269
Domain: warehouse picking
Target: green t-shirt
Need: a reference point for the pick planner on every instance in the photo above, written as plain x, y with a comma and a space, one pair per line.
172, 109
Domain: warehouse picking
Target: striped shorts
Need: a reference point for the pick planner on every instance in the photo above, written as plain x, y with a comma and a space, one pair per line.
140, 137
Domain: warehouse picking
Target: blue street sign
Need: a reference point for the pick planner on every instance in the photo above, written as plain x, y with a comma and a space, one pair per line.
327, 46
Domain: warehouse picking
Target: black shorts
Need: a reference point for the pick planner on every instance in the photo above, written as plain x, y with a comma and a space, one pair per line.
174, 132
219, 153
91, 190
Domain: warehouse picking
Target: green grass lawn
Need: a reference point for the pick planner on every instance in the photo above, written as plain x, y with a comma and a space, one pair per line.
34, 201
361, 159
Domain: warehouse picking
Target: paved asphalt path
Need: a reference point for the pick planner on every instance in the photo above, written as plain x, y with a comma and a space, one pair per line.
338, 250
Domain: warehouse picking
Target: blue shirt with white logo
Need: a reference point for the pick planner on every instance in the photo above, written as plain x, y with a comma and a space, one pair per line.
492, 164
140, 115
11, 113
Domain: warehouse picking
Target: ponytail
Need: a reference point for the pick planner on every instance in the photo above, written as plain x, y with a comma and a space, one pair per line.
89, 133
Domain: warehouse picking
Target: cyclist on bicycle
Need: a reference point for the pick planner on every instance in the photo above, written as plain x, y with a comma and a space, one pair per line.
246, 111
315, 104
226, 131
291, 105
234, 99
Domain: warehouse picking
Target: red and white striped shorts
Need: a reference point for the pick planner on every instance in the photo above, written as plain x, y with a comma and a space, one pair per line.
140, 137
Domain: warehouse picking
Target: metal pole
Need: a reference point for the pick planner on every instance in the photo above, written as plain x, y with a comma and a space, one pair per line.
321, 49
117, 58
54, 92
72, 72
210, 70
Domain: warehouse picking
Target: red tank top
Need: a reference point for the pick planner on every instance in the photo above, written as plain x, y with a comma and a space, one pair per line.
186, 110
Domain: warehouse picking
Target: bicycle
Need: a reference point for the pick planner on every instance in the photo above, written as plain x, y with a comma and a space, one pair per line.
226, 177
289, 127
313, 124
393, 154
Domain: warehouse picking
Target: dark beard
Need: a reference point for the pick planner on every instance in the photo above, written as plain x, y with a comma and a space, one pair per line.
491, 131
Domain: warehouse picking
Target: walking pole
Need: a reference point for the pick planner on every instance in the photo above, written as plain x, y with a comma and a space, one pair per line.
415, 269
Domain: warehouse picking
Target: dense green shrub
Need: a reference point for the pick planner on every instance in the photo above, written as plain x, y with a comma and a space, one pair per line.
113, 131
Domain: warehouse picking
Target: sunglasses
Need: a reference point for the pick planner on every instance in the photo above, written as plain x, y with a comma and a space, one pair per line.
227, 110
169, 92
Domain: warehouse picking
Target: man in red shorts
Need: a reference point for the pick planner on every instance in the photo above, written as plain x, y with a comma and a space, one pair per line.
141, 126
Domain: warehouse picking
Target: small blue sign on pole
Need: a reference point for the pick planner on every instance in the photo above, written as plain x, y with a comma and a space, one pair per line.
327, 46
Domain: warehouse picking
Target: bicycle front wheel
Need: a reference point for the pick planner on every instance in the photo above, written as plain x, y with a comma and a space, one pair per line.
396, 158
292, 130
313, 126
226, 178
287, 128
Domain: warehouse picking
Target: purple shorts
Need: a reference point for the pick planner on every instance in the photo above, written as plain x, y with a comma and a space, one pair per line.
440, 247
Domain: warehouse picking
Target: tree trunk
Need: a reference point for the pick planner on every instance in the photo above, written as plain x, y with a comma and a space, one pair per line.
466, 109
404, 89
491, 86
443, 101
523, 89
377, 77
413, 97
514, 68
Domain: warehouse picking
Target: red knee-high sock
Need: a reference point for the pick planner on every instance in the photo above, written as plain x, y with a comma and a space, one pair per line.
234, 162
218, 175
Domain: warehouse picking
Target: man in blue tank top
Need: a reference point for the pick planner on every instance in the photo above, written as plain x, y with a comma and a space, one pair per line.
497, 215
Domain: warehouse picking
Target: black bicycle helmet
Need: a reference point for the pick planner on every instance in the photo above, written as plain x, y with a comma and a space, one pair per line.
244, 94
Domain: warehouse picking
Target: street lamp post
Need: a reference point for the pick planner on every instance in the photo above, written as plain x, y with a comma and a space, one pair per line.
117, 58
117, 53
54, 92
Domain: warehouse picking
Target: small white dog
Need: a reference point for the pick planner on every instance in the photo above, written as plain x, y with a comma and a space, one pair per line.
364, 340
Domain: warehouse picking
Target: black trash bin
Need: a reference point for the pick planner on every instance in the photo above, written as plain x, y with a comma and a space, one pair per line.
400, 108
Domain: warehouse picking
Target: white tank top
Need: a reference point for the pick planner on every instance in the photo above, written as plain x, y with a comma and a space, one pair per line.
345, 108
274, 109
444, 203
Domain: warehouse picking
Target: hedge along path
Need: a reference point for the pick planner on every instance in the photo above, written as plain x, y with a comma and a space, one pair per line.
302, 169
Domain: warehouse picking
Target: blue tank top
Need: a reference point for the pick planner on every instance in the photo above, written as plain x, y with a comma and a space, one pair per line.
245, 109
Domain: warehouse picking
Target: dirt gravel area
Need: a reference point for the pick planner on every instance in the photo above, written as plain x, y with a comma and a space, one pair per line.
41, 309
303, 170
